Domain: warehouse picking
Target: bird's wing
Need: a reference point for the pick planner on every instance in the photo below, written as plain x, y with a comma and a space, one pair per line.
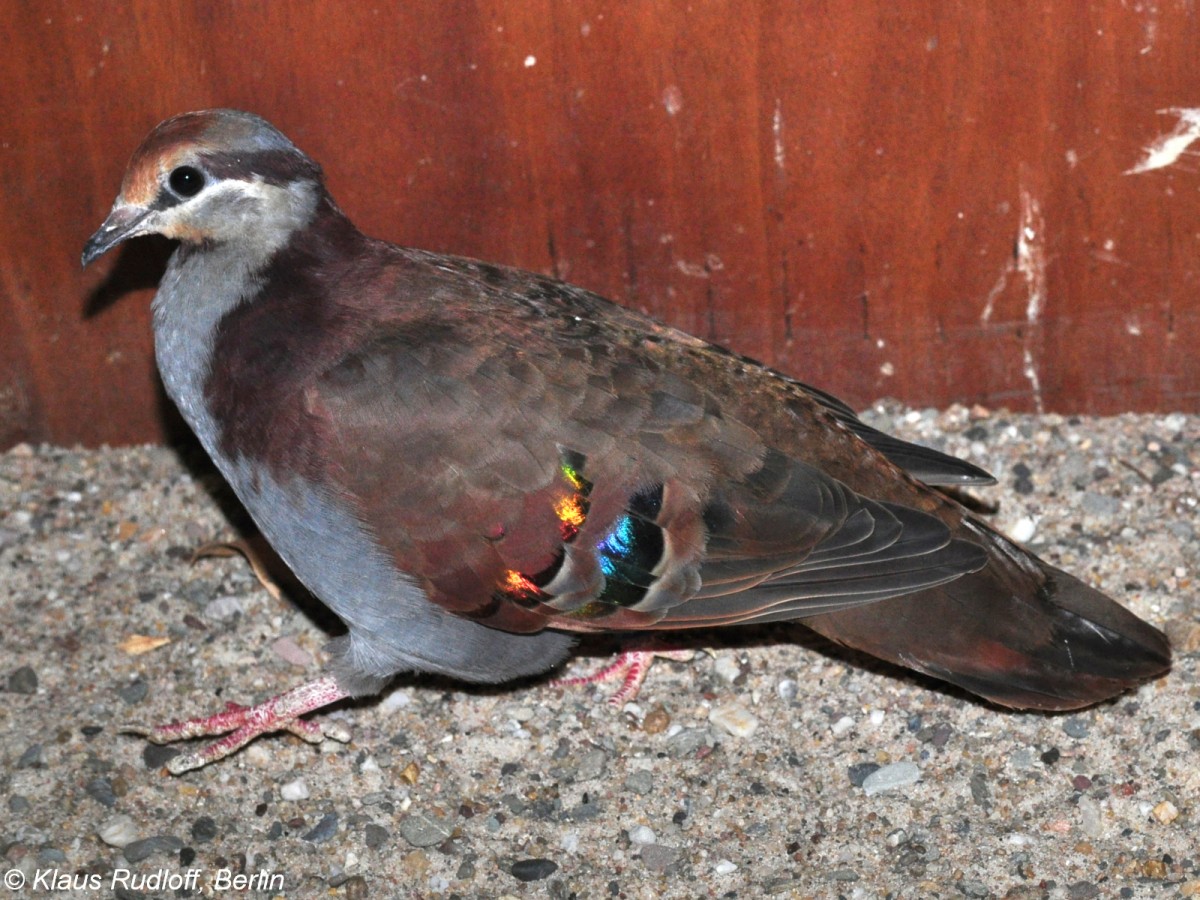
923, 463
536, 467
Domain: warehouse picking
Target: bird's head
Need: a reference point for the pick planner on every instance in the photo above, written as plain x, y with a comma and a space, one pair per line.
212, 177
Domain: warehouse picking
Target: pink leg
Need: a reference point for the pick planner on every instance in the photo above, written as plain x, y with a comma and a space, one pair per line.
242, 724
631, 666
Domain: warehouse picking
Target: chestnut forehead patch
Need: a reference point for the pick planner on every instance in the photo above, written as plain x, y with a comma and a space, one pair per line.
237, 144
165, 144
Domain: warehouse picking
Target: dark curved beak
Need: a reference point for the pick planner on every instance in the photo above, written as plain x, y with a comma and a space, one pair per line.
122, 223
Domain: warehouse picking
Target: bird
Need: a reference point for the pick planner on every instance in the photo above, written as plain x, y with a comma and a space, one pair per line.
473, 465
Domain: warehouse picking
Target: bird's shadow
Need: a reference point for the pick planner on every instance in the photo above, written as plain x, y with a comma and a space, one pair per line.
137, 268
603, 647
199, 465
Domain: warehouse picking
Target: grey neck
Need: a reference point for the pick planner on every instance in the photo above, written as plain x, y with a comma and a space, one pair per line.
203, 284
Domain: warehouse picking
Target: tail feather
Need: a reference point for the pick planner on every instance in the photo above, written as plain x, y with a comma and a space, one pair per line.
1020, 633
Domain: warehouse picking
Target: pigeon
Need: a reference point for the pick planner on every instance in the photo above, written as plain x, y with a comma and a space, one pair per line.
473, 465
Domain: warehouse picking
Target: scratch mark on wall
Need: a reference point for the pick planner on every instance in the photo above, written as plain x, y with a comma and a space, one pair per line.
1035, 382
777, 131
1031, 263
1166, 149
690, 269
1031, 255
997, 289
1150, 27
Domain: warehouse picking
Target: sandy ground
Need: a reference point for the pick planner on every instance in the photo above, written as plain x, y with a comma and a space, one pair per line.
773, 765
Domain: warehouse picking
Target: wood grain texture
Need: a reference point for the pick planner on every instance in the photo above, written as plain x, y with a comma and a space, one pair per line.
924, 200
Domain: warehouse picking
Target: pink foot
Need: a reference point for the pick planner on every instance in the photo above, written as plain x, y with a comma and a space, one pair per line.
242, 724
631, 667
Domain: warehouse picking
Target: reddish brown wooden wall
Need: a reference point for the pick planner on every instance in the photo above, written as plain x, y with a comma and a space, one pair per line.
923, 200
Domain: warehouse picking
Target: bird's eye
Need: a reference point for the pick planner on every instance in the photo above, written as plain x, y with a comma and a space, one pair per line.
186, 181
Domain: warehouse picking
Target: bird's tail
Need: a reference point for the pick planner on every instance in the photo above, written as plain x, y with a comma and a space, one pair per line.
1020, 633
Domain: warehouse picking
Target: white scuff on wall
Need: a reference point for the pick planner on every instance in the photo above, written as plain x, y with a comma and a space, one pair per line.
1168, 148
1031, 255
777, 132
1031, 264
1029, 261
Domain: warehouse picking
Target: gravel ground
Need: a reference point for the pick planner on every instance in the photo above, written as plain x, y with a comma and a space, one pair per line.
772, 765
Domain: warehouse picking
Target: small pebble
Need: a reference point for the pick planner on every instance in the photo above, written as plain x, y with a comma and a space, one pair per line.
136, 851
204, 829
1099, 506
860, 771
656, 721
23, 681
422, 830
980, 792
1076, 727
101, 790
658, 858
841, 726
221, 609
291, 652
890, 777
1165, 812
119, 831
588, 767
1023, 530
533, 869
34, 757
734, 719
641, 782
787, 689
725, 867
1021, 759
134, 692
396, 700
1091, 818
687, 742
155, 756
370, 764
323, 830
727, 668
296, 789
8, 537
641, 834
375, 836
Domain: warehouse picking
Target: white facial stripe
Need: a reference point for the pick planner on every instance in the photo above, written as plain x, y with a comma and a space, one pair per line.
260, 215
